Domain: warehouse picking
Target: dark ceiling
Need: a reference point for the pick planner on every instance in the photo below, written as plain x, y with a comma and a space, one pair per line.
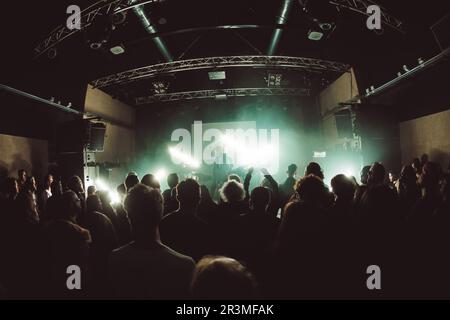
378, 56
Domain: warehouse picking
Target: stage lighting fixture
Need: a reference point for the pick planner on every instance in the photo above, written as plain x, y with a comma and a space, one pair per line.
217, 75
315, 35
274, 80
221, 96
116, 50
405, 68
160, 87
186, 159
320, 154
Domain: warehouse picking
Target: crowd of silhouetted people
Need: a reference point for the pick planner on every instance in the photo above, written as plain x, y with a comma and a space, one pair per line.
296, 240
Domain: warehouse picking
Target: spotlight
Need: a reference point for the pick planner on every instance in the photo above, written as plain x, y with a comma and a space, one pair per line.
161, 174
217, 75
315, 35
184, 158
274, 80
160, 87
405, 68
117, 50
101, 185
114, 196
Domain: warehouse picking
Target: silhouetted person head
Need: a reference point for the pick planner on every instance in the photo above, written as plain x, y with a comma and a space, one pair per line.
150, 181
30, 184
416, 164
172, 180
377, 174
91, 190
234, 177
75, 184
315, 169
232, 192
10, 188
260, 199
392, 177
430, 177
343, 187
56, 188
21, 176
130, 181
423, 159
93, 203
310, 189
408, 175
27, 206
292, 170
217, 277
48, 181
188, 194
365, 174
145, 208
69, 206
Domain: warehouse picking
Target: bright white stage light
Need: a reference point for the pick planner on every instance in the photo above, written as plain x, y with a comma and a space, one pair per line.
115, 197
161, 174
184, 158
101, 185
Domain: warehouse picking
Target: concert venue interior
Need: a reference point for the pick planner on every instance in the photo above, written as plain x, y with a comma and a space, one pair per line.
276, 149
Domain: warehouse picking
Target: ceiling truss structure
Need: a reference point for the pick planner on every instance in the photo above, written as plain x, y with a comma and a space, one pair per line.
361, 6
223, 93
308, 64
102, 7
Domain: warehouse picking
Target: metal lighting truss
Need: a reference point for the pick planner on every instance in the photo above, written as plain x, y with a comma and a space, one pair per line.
103, 7
361, 6
222, 93
312, 65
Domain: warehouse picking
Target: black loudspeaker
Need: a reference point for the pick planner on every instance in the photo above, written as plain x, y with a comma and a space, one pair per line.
344, 124
96, 137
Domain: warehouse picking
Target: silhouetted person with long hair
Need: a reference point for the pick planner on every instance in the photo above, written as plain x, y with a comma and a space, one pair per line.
182, 229
146, 268
170, 203
207, 207
222, 278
